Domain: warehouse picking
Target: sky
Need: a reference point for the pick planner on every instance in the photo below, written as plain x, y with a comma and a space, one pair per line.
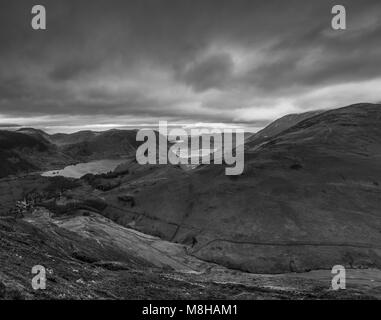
129, 64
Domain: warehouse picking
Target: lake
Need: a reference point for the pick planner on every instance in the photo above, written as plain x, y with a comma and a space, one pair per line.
80, 169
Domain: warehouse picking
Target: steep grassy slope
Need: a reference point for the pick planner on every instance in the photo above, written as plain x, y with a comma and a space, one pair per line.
12, 146
279, 125
36, 133
10, 140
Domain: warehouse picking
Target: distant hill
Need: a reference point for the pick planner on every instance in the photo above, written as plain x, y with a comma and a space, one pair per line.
62, 139
36, 133
309, 198
112, 143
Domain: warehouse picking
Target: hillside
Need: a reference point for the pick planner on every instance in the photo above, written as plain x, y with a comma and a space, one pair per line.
89, 257
14, 140
13, 148
280, 125
108, 144
62, 139
309, 198
29, 150
36, 133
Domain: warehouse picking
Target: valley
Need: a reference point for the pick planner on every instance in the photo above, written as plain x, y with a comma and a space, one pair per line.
308, 199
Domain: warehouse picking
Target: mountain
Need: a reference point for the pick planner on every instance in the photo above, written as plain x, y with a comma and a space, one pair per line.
29, 149
15, 151
10, 140
36, 133
111, 143
62, 139
309, 198
280, 125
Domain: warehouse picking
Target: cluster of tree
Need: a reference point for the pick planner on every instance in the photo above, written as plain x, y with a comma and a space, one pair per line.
104, 181
60, 184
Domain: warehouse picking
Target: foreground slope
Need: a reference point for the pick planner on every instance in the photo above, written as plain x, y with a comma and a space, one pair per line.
89, 257
309, 198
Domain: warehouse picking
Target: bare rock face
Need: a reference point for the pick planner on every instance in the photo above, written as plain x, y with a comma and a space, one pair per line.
309, 198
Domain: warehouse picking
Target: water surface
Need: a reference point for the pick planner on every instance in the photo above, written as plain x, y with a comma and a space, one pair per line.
80, 169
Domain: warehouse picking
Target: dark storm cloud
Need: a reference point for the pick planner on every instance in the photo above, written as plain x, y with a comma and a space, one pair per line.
211, 72
209, 60
8, 125
329, 58
71, 69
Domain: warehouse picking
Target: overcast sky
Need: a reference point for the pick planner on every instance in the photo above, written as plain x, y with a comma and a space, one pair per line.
103, 64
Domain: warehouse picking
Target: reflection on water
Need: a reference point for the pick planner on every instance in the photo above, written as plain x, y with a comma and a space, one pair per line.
80, 169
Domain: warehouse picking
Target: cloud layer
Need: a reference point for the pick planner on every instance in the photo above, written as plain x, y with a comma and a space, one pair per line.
135, 62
